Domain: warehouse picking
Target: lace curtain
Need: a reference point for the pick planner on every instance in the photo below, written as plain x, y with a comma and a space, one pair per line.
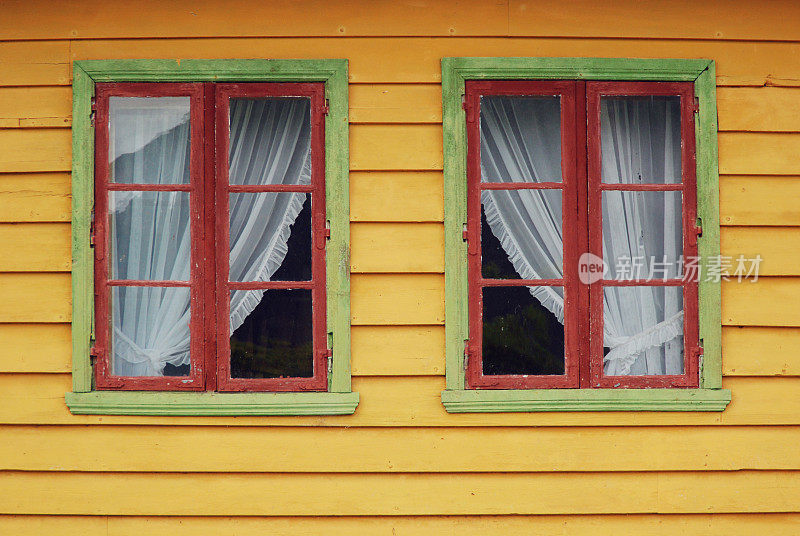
269, 144
520, 142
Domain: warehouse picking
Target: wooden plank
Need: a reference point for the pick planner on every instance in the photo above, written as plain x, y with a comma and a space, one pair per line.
35, 106
35, 197
390, 401
649, 19
34, 63
768, 109
759, 153
759, 200
393, 103
396, 196
415, 494
395, 147
35, 297
394, 247
35, 348
35, 247
513, 525
397, 350
397, 299
767, 302
26, 150
81, 20
417, 60
777, 246
755, 351
151, 449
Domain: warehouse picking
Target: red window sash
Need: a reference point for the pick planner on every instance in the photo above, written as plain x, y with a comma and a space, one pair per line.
319, 380
208, 284
581, 191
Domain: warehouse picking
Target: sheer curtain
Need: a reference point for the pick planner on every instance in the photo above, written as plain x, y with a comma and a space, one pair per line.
269, 144
520, 142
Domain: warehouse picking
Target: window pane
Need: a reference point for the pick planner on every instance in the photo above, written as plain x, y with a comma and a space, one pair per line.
642, 234
150, 331
270, 141
149, 235
643, 330
270, 236
521, 335
641, 140
521, 234
149, 140
271, 334
520, 139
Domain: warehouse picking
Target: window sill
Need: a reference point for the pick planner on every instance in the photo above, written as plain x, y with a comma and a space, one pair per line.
161, 403
501, 401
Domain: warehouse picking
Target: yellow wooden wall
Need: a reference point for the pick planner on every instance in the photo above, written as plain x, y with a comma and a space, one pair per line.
401, 464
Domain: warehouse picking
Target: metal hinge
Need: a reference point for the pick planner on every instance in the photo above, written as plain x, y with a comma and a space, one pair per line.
94, 353
91, 230
467, 352
326, 107
695, 105
328, 354
93, 111
696, 352
469, 109
697, 231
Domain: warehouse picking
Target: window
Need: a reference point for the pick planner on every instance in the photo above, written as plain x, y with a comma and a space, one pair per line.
574, 286
217, 208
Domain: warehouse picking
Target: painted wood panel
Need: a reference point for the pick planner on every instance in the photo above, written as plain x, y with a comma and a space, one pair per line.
36, 149
759, 200
768, 109
552, 525
35, 247
410, 402
395, 147
759, 153
35, 348
767, 302
395, 247
152, 449
777, 246
757, 351
34, 63
396, 196
32, 197
413, 494
417, 60
392, 103
35, 297
397, 350
397, 299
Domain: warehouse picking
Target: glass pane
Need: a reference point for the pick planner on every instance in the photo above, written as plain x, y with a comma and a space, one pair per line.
149, 235
149, 140
643, 330
520, 139
521, 234
642, 234
150, 331
520, 334
641, 140
270, 236
270, 141
271, 334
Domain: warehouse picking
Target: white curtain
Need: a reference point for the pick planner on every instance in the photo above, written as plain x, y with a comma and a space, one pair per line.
520, 142
269, 144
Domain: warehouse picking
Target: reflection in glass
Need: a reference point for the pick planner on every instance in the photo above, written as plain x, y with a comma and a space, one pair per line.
276, 339
643, 330
642, 234
149, 140
520, 336
520, 139
270, 141
150, 331
270, 236
149, 235
521, 234
640, 140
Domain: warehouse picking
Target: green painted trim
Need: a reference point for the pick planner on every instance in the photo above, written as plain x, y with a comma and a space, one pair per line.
82, 255
708, 212
454, 73
173, 403
333, 72
493, 401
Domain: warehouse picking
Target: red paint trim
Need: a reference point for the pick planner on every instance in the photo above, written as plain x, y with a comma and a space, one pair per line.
475, 377
685, 90
142, 283
209, 267
103, 377
148, 187
319, 380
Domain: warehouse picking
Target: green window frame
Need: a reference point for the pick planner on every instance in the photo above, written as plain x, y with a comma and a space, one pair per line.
339, 399
456, 397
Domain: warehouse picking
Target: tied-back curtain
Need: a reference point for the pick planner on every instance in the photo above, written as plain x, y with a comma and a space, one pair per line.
269, 144
528, 222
